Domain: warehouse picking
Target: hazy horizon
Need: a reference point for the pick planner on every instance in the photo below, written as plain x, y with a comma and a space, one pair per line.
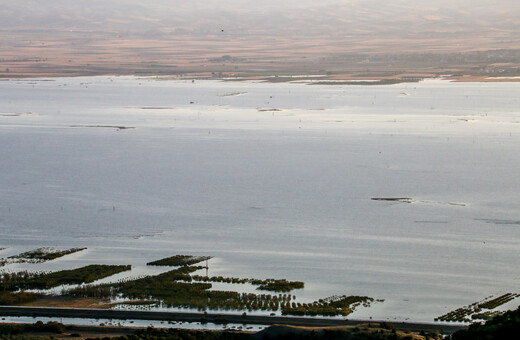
397, 19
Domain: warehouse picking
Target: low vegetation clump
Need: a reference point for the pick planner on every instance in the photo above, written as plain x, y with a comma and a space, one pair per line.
491, 304
279, 285
223, 279
335, 305
81, 275
179, 260
43, 254
458, 315
273, 285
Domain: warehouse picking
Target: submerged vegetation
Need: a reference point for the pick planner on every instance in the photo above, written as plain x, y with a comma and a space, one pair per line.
10, 282
40, 255
278, 285
505, 326
273, 285
179, 260
81, 275
491, 304
175, 288
332, 306
482, 310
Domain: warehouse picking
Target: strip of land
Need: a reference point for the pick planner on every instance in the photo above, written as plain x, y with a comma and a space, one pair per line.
215, 318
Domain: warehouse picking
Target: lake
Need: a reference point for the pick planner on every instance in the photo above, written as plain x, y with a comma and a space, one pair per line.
273, 180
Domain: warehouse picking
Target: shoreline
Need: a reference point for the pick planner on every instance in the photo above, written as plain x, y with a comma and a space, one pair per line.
299, 77
408, 299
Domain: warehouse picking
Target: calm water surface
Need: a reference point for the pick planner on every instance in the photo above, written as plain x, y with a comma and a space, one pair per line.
274, 180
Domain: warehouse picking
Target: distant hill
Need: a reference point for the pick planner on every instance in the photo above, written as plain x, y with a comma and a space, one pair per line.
397, 19
181, 33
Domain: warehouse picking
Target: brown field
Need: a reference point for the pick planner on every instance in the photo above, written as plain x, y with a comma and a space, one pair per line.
65, 53
69, 302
